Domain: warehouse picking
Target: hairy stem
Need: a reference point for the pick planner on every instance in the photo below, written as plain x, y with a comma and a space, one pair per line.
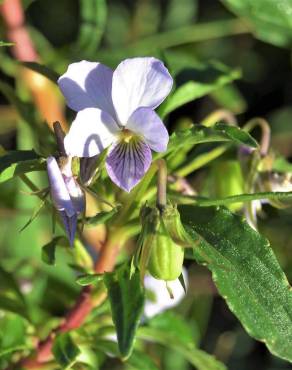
161, 184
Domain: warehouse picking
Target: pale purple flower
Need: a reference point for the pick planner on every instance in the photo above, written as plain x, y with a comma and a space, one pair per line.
66, 194
116, 110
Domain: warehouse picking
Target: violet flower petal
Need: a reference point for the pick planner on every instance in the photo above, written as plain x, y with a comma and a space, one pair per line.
91, 132
145, 122
70, 224
59, 192
88, 85
76, 194
127, 163
139, 82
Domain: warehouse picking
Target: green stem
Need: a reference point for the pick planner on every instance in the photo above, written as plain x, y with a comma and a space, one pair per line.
161, 184
201, 160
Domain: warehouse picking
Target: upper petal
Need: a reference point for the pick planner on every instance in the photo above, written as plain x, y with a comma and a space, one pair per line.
139, 82
127, 163
86, 85
145, 122
59, 192
90, 133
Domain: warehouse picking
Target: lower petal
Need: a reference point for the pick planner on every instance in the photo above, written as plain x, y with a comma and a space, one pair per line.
127, 163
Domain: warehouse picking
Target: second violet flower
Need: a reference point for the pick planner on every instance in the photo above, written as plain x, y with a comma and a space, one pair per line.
116, 110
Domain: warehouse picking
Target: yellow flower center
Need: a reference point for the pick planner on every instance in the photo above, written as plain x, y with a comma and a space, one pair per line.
126, 135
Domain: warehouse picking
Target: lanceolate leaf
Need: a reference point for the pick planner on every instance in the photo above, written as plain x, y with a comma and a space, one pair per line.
246, 273
93, 21
43, 70
18, 162
34, 214
236, 135
126, 297
200, 134
49, 250
270, 20
101, 217
89, 279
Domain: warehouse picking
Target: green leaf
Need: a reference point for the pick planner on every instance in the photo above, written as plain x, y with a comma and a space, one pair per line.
25, 110
270, 20
140, 360
173, 324
282, 165
126, 297
9, 350
18, 162
49, 250
200, 134
89, 279
202, 80
92, 25
198, 358
137, 360
65, 350
101, 217
3, 43
246, 273
34, 214
11, 298
230, 98
43, 70
236, 135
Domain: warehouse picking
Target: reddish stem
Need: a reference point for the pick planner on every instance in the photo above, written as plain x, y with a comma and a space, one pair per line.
79, 312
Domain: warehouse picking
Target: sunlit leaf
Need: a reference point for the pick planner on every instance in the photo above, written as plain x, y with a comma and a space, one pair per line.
18, 162
89, 279
270, 20
246, 273
200, 134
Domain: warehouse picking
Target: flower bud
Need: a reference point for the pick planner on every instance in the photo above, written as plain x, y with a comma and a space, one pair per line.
66, 194
163, 238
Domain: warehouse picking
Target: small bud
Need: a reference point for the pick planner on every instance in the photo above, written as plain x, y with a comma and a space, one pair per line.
162, 242
66, 194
